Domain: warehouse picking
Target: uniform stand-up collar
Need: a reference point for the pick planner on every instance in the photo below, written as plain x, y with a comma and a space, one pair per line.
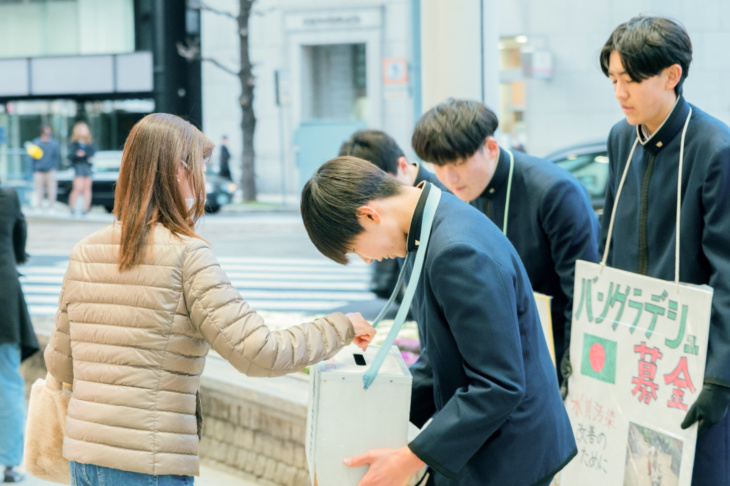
414, 232
499, 178
420, 173
671, 127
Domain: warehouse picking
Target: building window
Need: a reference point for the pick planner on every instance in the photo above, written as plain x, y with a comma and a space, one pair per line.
65, 27
512, 95
334, 82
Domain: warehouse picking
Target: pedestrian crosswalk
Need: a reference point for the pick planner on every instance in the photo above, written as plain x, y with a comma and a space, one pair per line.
267, 284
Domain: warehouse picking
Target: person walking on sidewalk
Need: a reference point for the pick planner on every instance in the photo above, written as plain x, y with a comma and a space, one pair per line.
17, 338
225, 156
81, 152
45, 167
142, 302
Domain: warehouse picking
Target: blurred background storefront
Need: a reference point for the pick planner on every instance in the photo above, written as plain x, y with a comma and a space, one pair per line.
324, 68
106, 62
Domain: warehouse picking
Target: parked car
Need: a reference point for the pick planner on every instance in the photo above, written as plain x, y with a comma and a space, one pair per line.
589, 164
105, 167
219, 192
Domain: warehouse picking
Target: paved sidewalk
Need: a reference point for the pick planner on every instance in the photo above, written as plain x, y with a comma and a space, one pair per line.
209, 476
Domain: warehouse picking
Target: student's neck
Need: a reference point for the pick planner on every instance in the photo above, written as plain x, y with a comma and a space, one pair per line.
651, 127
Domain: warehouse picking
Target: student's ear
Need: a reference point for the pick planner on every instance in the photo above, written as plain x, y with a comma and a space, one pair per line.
674, 74
402, 173
491, 147
368, 213
402, 165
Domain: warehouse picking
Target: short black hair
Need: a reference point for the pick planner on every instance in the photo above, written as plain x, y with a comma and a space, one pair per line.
647, 45
376, 147
454, 129
330, 199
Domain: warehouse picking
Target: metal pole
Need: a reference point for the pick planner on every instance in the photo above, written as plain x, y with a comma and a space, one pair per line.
282, 154
416, 56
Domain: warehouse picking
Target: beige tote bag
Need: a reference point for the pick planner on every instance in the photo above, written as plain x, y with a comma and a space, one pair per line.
45, 429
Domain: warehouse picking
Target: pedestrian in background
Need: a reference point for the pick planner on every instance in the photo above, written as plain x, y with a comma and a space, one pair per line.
142, 302
225, 169
647, 59
17, 339
81, 152
45, 167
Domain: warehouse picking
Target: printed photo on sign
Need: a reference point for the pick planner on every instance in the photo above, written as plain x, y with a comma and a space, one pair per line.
652, 458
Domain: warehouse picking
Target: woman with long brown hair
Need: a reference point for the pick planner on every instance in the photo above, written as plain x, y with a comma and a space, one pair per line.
81, 152
142, 302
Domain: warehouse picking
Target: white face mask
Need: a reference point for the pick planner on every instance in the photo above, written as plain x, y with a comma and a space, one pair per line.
190, 201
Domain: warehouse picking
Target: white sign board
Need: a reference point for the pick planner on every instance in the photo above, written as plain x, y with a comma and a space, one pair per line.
638, 350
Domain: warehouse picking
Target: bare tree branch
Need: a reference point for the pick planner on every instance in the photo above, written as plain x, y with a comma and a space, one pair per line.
263, 12
215, 62
191, 52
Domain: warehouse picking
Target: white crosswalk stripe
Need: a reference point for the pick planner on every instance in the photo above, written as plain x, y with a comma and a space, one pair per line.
271, 284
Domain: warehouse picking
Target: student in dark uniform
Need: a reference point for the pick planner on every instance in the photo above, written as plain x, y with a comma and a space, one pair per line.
500, 419
382, 150
542, 209
647, 59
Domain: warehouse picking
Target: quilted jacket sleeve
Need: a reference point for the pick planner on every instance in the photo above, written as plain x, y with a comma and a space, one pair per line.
239, 334
58, 351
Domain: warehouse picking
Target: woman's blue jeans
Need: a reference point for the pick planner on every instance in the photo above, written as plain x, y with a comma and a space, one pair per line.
12, 406
91, 475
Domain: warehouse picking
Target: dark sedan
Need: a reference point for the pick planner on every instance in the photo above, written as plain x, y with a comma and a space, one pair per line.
105, 169
219, 191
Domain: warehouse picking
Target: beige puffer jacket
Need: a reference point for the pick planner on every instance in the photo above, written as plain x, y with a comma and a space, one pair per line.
133, 345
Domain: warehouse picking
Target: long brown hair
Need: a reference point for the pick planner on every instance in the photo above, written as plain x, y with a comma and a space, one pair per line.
147, 189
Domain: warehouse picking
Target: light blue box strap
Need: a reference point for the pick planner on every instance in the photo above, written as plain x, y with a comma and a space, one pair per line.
429, 212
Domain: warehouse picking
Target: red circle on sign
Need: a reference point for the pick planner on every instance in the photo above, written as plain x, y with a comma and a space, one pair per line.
597, 357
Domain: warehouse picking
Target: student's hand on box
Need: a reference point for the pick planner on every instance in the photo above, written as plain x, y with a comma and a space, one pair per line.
364, 332
388, 467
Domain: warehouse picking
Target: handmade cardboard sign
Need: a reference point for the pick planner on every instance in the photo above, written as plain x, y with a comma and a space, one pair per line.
638, 350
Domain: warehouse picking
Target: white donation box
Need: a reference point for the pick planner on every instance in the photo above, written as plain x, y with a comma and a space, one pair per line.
345, 420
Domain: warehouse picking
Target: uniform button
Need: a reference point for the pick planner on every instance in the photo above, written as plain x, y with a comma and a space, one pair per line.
491, 191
